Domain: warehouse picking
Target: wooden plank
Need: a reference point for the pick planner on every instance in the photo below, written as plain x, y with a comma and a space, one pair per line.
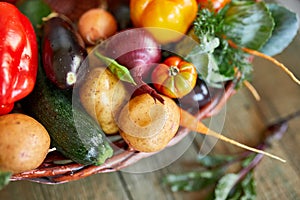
244, 121
149, 184
280, 97
99, 186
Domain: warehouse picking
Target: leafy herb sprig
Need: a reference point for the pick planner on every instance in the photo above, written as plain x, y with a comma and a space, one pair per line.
239, 185
230, 38
210, 26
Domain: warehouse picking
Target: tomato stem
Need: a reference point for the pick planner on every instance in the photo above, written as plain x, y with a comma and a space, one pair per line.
173, 71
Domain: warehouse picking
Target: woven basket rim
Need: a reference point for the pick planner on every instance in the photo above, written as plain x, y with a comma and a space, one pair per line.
51, 171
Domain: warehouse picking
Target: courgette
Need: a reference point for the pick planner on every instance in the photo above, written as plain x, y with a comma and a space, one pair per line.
73, 132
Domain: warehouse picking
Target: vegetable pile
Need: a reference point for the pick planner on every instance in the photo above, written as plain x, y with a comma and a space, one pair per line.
84, 79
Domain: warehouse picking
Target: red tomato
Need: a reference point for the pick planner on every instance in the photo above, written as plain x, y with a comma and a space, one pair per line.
175, 77
213, 5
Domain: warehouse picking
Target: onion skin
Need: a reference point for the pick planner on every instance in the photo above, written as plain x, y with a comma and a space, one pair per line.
137, 50
95, 25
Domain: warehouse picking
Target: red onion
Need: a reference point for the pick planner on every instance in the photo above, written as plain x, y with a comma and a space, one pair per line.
137, 50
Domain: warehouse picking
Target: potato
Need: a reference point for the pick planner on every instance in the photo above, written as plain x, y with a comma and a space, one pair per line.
24, 143
102, 95
148, 126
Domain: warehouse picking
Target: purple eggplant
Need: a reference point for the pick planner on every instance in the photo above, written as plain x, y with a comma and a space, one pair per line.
62, 51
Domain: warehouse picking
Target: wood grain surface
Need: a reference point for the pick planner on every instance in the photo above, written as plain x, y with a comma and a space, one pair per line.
243, 119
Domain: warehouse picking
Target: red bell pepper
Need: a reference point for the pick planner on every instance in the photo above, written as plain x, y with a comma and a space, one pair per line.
18, 56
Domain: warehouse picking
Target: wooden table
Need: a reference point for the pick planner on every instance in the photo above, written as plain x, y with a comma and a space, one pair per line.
244, 120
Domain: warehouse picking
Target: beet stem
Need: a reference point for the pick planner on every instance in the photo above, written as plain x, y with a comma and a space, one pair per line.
146, 88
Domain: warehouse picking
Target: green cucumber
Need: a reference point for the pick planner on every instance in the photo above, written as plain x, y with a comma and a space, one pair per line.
73, 132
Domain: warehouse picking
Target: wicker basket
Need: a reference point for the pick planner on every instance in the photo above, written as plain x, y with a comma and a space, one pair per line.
55, 170
58, 169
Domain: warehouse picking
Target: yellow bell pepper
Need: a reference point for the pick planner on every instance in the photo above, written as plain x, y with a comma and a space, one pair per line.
170, 19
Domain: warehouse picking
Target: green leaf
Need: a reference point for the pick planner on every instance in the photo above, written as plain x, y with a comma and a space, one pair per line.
248, 23
225, 185
247, 161
214, 58
208, 69
214, 160
35, 10
119, 70
286, 27
192, 181
4, 179
237, 194
249, 187
206, 46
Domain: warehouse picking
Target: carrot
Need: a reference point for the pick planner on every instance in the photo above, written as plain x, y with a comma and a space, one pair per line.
251, 88
273, 60
189, 121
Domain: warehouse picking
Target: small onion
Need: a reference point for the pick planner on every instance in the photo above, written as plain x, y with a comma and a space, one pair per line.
96, 24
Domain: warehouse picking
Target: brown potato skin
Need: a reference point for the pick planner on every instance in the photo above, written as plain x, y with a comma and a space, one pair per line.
139, 112
24, 143
102, 95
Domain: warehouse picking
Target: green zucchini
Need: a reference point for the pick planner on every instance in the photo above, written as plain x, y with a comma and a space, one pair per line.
73, 132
